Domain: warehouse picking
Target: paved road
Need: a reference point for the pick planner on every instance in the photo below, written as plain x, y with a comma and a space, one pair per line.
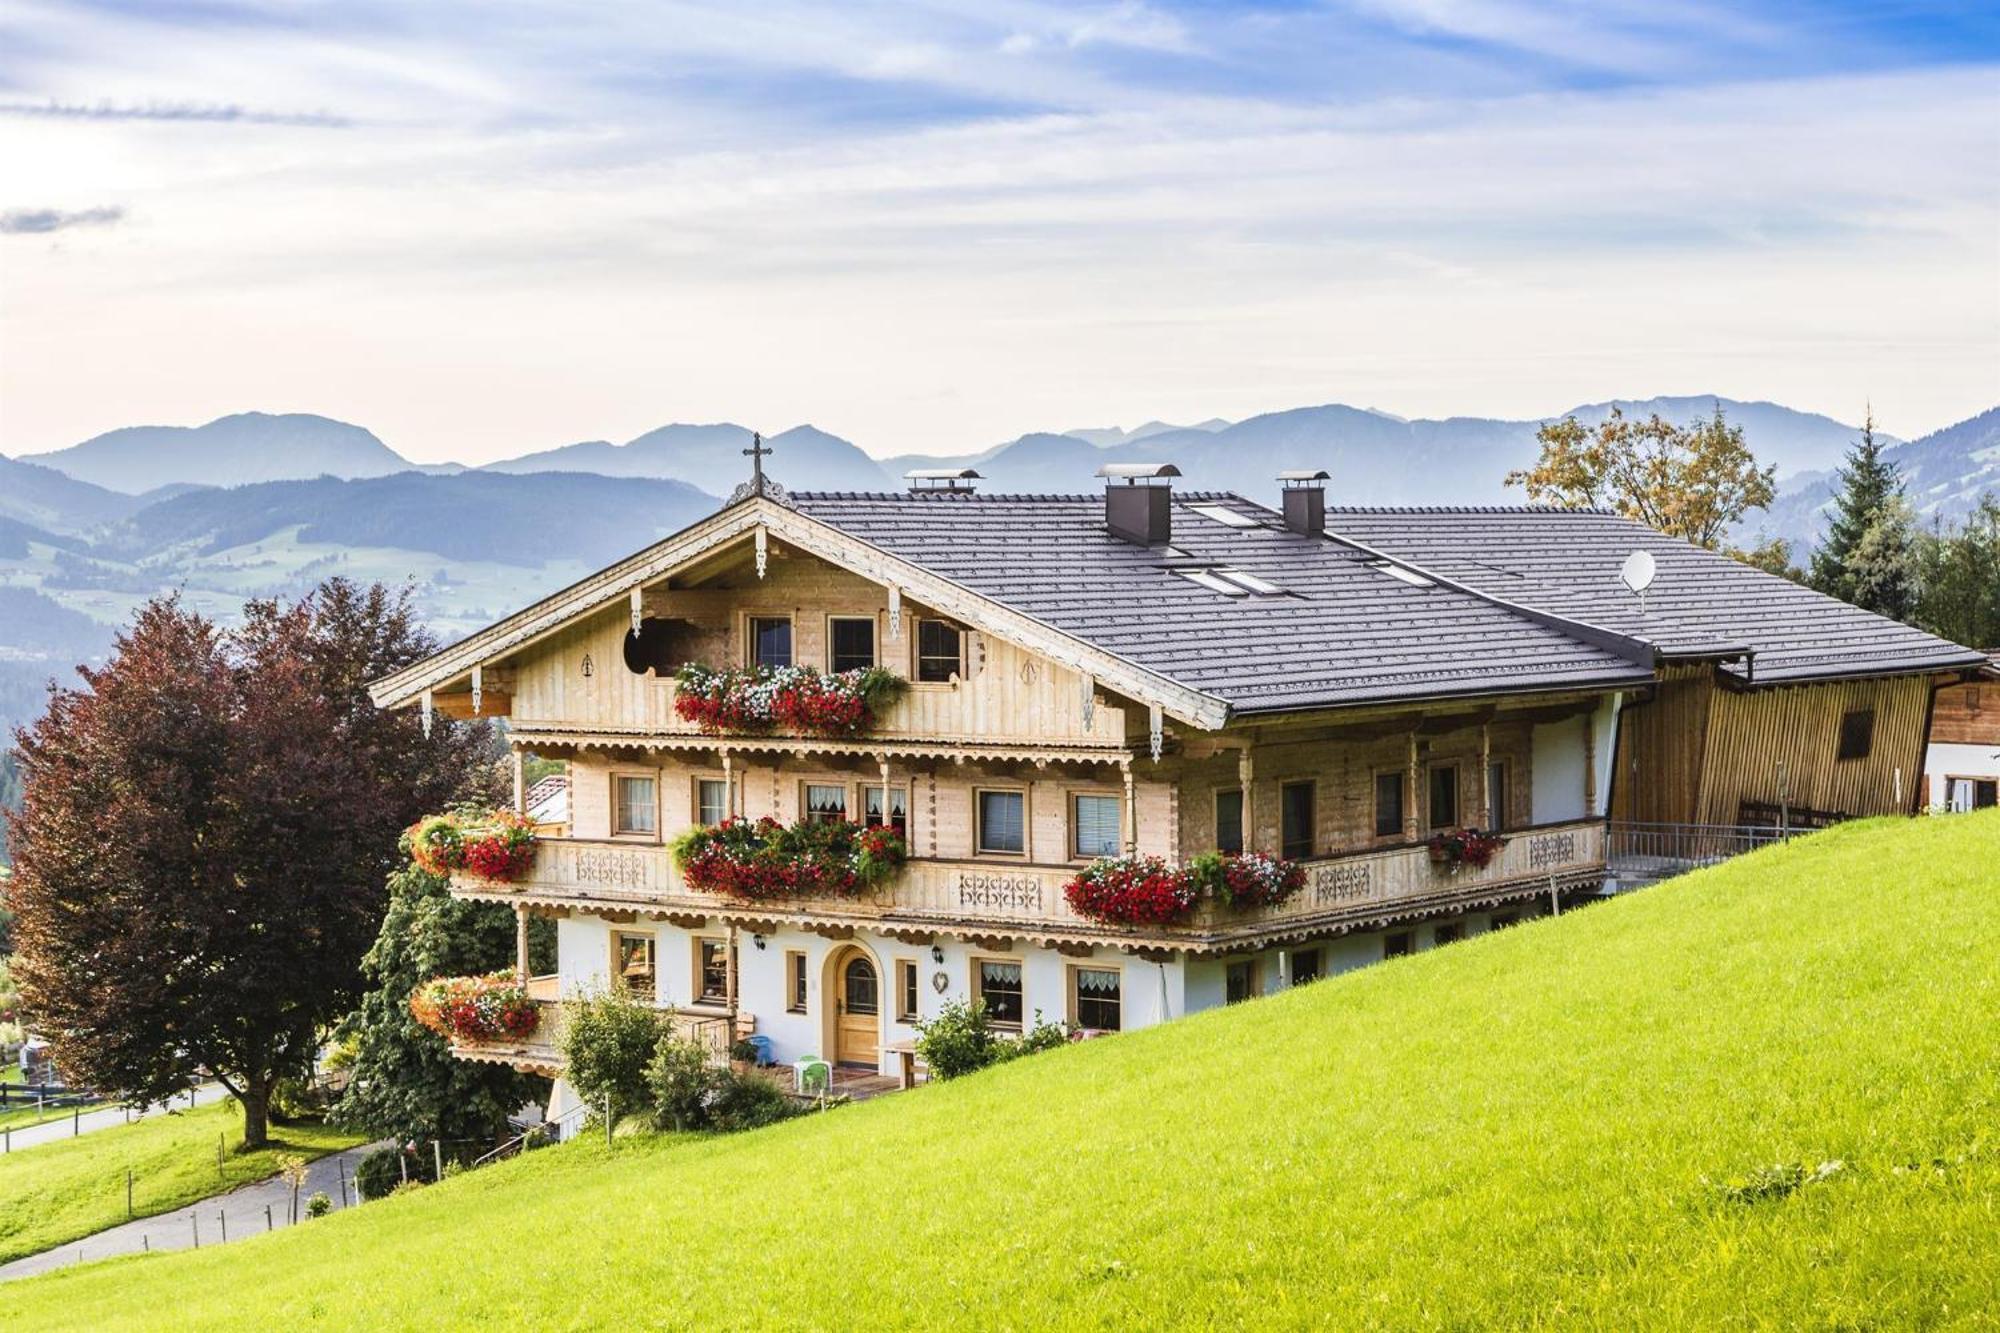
243, 1214
54, 1131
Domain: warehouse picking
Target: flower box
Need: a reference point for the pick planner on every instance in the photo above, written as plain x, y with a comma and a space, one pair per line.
1466, 846
764, 859
795, 699
488, 1008
1247, 880
1133, 891
496, 845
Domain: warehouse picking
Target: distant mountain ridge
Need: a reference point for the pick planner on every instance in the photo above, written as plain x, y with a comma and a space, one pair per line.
228, 451
711, 457
1944, 475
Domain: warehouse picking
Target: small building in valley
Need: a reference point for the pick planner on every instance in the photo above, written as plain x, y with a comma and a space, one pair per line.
1962, 769
1435, 722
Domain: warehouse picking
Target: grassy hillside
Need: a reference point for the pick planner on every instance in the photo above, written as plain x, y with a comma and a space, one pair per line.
1535, 1126
57, 1192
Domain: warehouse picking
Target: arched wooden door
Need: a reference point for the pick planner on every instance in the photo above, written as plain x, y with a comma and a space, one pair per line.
858, 1013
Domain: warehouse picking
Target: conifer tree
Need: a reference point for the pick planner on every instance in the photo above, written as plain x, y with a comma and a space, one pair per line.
1869, 555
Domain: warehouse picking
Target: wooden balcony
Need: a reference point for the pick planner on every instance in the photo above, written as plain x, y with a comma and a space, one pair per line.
540, 1052
995, 899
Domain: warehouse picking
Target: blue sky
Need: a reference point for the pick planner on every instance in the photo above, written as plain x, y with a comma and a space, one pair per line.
483, 228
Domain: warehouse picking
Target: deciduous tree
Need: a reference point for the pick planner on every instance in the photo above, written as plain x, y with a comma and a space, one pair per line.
205, 833
1959, 575
1691, 481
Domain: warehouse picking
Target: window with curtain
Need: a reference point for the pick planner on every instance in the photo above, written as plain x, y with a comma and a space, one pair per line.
826, 801
1229, 821
1094, 825
894, 812
1388, 805
771, 641
1003, 825
1096, 998
634, 958
852, 645
998, 983
712, 970
1295, 801
711, 800
635, 805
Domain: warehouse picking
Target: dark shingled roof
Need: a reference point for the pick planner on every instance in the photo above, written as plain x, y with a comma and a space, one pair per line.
1700, 603
1344, 631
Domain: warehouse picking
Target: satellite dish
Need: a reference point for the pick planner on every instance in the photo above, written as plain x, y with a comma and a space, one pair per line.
1637, 572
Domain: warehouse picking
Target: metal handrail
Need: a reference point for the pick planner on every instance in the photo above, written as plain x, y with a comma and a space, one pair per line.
521, 1138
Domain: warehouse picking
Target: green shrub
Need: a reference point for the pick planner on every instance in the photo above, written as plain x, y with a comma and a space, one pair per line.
609, 1045
745, 1101
319, 1205
678, 1080
379, 1172
1042, 1037
959, 1041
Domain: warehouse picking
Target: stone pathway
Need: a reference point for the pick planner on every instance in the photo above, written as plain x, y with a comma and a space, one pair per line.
248, 1210
69, 1126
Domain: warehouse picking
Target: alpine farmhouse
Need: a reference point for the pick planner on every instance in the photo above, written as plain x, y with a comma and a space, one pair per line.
1142, 671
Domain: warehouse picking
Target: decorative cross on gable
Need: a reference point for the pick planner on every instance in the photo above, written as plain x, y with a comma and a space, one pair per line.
759, 484
755, 453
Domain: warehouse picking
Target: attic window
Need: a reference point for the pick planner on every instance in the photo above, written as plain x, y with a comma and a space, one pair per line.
1227, 517
1395, 571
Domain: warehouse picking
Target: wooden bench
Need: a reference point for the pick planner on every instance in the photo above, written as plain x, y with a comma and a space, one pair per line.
906, 1062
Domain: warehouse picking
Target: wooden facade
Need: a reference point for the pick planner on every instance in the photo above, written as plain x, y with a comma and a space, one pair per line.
1701, 753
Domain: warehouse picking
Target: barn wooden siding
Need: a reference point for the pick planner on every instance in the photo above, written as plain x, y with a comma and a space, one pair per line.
1967, 715
1657, 779
1750, 732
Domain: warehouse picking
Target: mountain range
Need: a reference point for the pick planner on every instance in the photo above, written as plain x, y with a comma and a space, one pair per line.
261, 504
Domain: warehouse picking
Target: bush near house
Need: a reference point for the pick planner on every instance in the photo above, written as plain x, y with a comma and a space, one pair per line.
1612, 1119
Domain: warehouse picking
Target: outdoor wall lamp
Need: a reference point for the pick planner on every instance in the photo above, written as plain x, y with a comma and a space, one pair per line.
937, 953
757, 940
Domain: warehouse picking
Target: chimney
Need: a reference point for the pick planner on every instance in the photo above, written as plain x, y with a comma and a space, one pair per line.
941, 480
1305, 501
1139, 511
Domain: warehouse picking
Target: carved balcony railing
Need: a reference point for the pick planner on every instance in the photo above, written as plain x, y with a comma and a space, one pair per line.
540, 1051
992, 897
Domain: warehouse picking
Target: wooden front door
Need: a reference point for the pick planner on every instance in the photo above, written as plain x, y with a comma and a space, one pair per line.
858, 1020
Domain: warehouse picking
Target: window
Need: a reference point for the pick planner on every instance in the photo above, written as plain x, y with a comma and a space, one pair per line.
1003, 824
632, 956
1229, 821
711, 801
906, 990
1239, 982
1397, 944
771, 641
1962, 794
897, 816
1095, 998
1444, 796
634, 806
1295, 803
1496, 796
1857, 734
940, 650
1093, 826
795, 981
1449, 932
826, 802
1388, 805
850, 643
1305, 966
1502, 920
711, 970
998, 983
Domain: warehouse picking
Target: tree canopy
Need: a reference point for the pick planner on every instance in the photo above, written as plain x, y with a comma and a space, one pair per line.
1691, 481
205, 833
1869, 555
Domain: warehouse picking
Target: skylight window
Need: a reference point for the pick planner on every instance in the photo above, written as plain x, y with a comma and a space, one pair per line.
1395, 571
1263, 587
1225, 516
1215, 583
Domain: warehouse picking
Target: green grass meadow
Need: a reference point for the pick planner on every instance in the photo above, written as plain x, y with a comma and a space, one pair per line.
1535, 1127
58, 1192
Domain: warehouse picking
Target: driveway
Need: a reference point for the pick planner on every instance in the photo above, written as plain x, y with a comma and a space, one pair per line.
248, 1210
69, 1126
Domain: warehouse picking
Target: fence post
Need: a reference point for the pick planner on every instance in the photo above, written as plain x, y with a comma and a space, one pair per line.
76, 1122
267, 1217
195, 1222
437, 1161
128, 1193
340, 1164
222, 1220
218, 1156
146, 1241
403, 1165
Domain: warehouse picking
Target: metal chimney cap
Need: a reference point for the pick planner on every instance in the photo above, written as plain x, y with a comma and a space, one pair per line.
1305, 475
943, 474
1137, 471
